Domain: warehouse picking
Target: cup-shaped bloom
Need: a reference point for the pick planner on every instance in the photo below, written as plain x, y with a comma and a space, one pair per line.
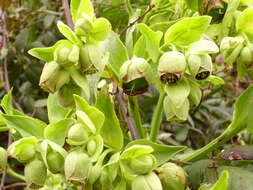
173, 177
147, 182
77, 135
65, 94
200, 66
35, 174
231, 48
171, 67
174, 113
53, 77
83, 25
77, 167
66, 54
3, 159
90, 59
247, 55
143, 164
24, 149
55, 161
135, 76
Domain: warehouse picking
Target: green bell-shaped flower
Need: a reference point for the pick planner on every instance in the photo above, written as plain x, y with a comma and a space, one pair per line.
35, 174
53, 77
83, 25
147, 182
55, 162
200, 66
171, 67
172, 176
174, 113
90, 59
77, 135
77, 167
247, 55
231, 48
65, 94
66, 54
3, 159
143, 164
24, 149
135, 76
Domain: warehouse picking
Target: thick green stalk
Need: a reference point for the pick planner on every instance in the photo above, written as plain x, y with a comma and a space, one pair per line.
135, 113
157, 117
231, 131
15, 175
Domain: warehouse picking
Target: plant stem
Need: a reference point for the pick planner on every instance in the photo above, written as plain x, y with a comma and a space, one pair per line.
12, 173
155, 125
135, 113
231, 131
65, 5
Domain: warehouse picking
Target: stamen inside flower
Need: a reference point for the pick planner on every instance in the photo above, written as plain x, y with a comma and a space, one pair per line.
169, 78
202, 75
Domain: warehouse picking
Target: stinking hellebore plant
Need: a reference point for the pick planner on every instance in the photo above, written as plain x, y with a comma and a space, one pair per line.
83, 146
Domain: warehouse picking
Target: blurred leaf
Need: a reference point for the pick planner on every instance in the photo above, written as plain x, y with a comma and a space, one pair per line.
244, 22
55, 111
112, 139
22, 39
48, 20
27, 126
187, 30
57, 131
162, 152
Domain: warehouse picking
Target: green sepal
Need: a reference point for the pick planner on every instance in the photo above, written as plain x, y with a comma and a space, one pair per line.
95, 147
77, 135
147, 182
101, 29
203, 47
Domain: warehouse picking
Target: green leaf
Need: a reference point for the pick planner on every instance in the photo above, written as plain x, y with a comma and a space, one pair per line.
45, 54
68, 33
152, 41
22, 39
162, 153
222, 183
244, 22
7, 104
101, 29
81, 80
140, 49
57, 131
187, 30
27, 126
195, 93
118, 54
78, 7
239, 179
215, 80
95, 115
55, 111
112, 139
178, 93
193, 4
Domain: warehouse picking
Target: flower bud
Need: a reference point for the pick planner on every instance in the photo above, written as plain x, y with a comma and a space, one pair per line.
247, 55
171, 67
35, 174
231, 48
65, 94
172, 176
200, 66
77, 135
53, 77
66, 54
55, 161
83, 25
26, 154
77, 167
91, 147
3, 159
136, 76
147, 182
174, 113
143, 164
90, 59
